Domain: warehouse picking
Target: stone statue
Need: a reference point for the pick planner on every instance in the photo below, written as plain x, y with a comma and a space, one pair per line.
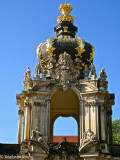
88, 136
28, 72
93, 70
102, 83
25, 76
37, 136
103, 75
28, 83
37, 70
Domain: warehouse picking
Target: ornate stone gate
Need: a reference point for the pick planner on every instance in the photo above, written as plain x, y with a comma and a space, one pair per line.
65, 84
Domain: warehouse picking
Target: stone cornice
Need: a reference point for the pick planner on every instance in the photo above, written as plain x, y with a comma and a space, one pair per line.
95, 93
25, 94
41, 84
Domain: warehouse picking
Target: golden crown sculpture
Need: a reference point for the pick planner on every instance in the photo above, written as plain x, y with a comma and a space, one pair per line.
65, 9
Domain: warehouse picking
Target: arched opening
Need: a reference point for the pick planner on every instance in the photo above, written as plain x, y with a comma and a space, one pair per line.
65, 127
65, 104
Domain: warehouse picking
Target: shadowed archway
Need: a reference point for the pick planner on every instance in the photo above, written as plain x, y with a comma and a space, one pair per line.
65, 104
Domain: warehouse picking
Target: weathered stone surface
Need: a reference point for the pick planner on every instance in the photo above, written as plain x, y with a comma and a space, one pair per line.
65, 84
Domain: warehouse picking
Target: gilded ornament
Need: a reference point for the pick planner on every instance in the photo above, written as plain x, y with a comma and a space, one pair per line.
50, 48
84, 64
80, 47
65, 18
92, 53
44, 64
65, 29
56, 32
65, 10
39, 55
65, 36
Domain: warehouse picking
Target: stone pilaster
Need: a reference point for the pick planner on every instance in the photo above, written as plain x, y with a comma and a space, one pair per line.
23, 128
47, 120
110, 125
38, 117
97, 121
27, 121
102, 121
20, 113
82, 121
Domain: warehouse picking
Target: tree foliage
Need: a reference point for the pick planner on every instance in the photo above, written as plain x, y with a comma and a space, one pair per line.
116, 131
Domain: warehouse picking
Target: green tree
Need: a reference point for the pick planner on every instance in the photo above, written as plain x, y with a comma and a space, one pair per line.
116, 131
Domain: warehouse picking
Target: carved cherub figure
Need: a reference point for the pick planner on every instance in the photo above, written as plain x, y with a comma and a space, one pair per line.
88, 136
36, 134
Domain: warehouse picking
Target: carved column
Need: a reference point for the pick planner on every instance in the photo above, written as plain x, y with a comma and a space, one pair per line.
110, 131
89, 116
23, 128
39, 116
82, 121
103, 123
110, 126
93, 117
27, 121
97, 123
47, 121
20, 113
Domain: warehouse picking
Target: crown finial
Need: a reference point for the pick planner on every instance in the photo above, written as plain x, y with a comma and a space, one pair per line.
65, 10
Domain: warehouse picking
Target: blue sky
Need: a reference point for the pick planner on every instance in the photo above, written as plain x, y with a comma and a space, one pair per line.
26, 23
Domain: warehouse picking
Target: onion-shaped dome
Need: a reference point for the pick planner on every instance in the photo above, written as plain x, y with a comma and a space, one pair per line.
66, 41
